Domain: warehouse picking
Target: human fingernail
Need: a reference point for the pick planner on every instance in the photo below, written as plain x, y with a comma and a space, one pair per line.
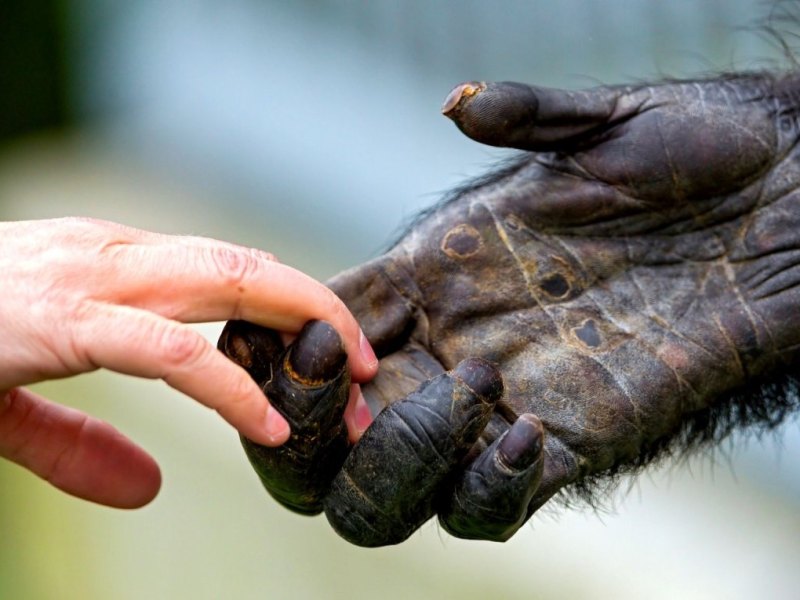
367, 353
277, 428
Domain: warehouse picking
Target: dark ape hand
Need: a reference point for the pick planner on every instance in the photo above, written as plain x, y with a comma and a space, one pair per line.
637, 264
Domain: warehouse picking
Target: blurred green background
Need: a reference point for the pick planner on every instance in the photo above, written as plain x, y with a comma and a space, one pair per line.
312, 129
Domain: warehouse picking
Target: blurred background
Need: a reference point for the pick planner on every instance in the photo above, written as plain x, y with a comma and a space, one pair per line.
312, 129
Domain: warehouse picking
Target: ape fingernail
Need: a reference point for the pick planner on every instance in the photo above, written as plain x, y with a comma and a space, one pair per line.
460, 92
317, 354
522, 444
482, 377
237, 348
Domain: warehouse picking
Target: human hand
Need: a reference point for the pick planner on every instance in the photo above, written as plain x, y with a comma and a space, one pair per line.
84, 294
626, 275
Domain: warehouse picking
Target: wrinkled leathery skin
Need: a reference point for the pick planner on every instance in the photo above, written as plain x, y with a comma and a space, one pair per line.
490, 498
637, 264
309, 385
388, 484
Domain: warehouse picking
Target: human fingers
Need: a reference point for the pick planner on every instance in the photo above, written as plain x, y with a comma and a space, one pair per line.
389, 482
137, 342
76, 453
198, 279
309, 384
357, 414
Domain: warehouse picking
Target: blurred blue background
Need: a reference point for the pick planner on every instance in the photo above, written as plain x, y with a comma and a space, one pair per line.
312, 129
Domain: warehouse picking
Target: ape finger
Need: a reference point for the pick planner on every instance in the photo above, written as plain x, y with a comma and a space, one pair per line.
309, 385
387, 485
254, 348
517, 115
490, 499
380, 293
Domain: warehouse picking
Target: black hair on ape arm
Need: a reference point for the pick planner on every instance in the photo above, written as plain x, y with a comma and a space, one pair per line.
754, 410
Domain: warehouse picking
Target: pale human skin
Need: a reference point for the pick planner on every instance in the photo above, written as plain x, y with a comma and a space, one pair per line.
83, 294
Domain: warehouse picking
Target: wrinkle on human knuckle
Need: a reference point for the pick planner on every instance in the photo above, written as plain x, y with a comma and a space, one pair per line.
117, 254
77, 333
179, 346
264, 255
239, 390
234, 266
62, 460
101, 238
81, 225
7, 400
335, 312
33, 443
16, 412
58, 282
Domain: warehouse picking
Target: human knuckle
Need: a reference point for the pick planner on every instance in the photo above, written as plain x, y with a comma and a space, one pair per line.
78, 310
180, 345
62, 463
264, 255
234, 265
85, 230
94, 240
240, 388
82, 222
68, 338
335, 309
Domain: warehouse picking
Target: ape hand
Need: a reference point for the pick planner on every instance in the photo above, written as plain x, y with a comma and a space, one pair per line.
638, 263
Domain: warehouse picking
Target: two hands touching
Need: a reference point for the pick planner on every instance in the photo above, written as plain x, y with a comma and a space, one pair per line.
84, 294
582, 311
575, 314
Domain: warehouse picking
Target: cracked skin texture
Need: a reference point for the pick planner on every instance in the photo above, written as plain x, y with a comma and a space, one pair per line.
634, 266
